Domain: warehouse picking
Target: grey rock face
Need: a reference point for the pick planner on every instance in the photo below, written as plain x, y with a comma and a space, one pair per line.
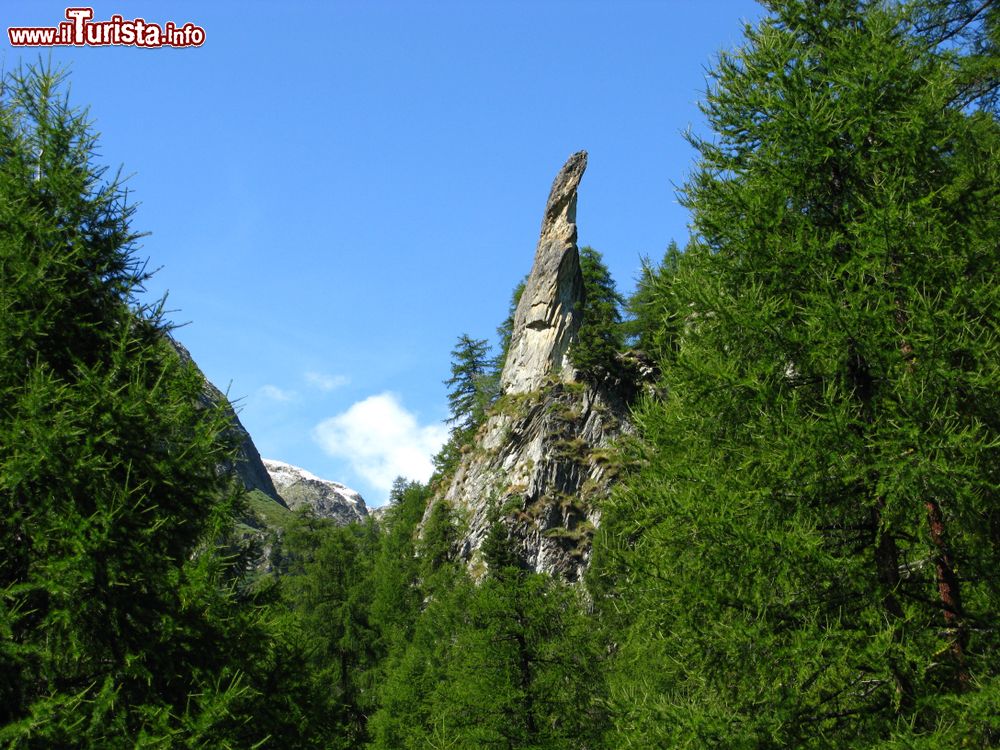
542, 460
248, 466
547, 316
379, 513
327, 499
543, 457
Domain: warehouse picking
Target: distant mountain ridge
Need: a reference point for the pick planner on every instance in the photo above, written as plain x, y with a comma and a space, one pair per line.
269, 481
328, 499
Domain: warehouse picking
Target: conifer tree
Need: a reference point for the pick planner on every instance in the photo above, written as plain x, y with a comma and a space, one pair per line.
118, 612
421, 593
505, 331
601, 334
396, 597
509, 663
328, 591
524, 670
655, 323
808, 549
469, 392
967, 34
473, 386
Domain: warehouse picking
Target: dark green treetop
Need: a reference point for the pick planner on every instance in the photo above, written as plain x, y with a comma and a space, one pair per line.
807, 551
601, 336
119, 613
655, 322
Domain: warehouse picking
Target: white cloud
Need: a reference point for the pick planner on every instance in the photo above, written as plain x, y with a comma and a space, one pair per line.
274, 393
325, 382
381, 440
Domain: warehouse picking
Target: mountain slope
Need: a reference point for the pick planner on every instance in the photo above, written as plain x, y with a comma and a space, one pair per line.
298, 488
248, 466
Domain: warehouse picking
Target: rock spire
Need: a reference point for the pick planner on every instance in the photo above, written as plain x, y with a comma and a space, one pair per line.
547, 317
542, 460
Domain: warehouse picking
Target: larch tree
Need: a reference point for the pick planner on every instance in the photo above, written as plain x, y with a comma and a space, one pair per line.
119, 619
807, 551
469, 389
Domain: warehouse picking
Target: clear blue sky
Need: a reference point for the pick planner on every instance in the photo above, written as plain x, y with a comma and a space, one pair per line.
336, 190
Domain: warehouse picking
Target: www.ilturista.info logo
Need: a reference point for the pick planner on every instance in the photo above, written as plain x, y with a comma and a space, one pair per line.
79, 30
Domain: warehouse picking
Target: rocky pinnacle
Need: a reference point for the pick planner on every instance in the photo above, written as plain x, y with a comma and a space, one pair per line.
547, 316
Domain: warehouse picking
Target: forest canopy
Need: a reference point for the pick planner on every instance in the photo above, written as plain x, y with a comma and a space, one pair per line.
803, 542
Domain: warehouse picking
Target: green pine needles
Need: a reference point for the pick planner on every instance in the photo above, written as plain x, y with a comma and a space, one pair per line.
803, 550
601, 336
118, 626
809, 552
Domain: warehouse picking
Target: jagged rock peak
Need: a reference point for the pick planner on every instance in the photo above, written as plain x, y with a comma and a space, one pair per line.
544, 457
547, 317
327, 499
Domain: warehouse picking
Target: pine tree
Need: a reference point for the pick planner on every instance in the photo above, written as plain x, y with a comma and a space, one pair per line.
469, 393
406, 718
655, 320
396, 597
472, 388
509, 663
119, 615
601, 335
419, 591
524, 671
327, 588
808, 550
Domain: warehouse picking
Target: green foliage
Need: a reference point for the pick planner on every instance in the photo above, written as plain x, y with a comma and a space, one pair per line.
469, 389
967, 34
523, 670
436, 549
501, 557
326, 588
656, 318
806, 555
803, 552
506, 329
511, 663
120, 619
414, 577
420, 664
396, 598
473, 387
601, 335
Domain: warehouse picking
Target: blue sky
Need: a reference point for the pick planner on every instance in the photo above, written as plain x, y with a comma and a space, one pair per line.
335, 191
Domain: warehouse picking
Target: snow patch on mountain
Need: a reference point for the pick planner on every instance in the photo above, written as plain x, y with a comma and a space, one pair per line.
328, 499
